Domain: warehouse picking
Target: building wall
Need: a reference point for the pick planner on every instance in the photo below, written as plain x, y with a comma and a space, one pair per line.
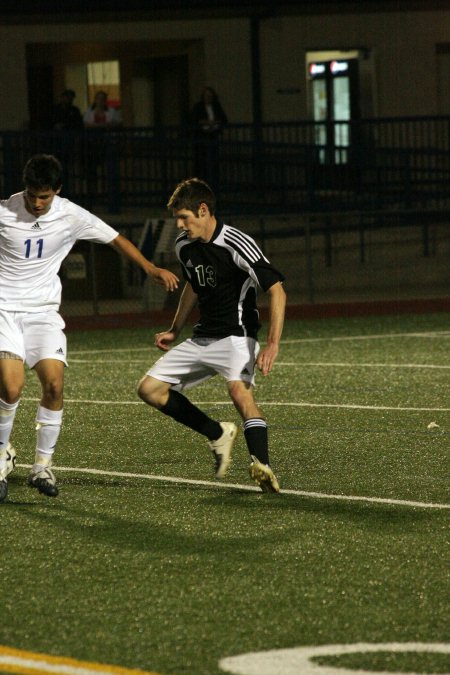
226, 51
402, 46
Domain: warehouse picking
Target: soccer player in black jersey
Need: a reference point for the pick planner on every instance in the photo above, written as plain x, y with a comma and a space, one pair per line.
223, 267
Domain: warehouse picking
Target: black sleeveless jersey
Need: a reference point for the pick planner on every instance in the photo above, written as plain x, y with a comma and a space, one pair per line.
225, 273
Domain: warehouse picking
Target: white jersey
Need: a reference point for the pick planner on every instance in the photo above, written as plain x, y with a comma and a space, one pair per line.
33, 248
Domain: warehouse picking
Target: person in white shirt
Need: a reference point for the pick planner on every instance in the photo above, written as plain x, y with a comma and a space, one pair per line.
100, 114
98, 119
37, 230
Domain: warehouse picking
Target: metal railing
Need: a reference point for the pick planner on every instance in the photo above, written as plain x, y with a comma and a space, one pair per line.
385, 164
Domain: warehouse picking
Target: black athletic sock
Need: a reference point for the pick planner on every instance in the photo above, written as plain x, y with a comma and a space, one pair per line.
182, 410
255, 432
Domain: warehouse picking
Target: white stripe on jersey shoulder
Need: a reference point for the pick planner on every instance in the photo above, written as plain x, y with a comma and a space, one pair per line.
182, 235
181, 241
242, 243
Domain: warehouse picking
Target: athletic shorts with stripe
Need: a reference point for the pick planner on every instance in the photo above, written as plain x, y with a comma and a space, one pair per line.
198, 359
33, 336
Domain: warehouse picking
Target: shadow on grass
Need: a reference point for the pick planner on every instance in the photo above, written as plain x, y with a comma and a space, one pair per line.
144, 532
141, 532
392, 518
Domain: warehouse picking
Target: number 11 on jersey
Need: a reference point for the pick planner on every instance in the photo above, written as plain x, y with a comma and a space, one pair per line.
39, 244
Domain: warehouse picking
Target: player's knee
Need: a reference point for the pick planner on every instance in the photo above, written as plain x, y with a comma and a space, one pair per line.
240, 391
149, 392
154, 392
10, 393
53, 390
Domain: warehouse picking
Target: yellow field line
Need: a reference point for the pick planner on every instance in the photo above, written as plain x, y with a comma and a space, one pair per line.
30, 663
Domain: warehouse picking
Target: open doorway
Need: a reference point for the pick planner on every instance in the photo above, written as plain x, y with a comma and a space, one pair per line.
443, 78
40, 95
160, 91
335, 99
152, 83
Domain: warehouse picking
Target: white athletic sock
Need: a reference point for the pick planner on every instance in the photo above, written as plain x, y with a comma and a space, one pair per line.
48, 427
7, 415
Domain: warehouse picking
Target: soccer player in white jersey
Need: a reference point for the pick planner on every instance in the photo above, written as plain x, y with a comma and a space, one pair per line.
223, 267
37, 230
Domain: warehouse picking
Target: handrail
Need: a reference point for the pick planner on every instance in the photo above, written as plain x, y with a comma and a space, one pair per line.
385, 163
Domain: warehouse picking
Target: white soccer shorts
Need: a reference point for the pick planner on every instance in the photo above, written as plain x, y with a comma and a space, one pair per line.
33, 336
190, 363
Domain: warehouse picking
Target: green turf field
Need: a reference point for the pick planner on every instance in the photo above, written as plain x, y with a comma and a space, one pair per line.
171, 577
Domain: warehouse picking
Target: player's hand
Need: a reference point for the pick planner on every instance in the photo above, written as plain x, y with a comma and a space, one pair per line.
164, 340
165, 278
266, 358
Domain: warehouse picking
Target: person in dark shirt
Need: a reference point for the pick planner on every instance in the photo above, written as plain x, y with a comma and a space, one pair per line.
66, 115
208, 118
66, 121
223, 267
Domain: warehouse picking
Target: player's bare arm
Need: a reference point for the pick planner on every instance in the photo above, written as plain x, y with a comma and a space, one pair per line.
160, 275
277, 305
186, 304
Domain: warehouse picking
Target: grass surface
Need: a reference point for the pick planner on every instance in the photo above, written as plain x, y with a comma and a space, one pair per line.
172, 577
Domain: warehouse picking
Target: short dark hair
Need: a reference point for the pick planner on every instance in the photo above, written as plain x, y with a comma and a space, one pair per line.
42, 171
190, 193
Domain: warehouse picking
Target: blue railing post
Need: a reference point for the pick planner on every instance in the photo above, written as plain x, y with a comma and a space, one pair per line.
407, 178
113, 148
7, 163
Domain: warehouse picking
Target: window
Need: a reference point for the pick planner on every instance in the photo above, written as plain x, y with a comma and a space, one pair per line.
104, 76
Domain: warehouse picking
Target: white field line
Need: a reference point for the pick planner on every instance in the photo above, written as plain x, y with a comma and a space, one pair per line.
295, 660
431, 334
301, 404
290, 364
82, 352
112, 361
354, 365
248, 488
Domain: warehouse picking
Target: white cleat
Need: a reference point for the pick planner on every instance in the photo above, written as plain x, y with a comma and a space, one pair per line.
221, 448
8, 465
10, 459
263, 476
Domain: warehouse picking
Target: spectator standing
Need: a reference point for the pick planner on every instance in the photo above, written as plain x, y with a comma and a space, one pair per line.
66, 115
100, 115
207, 119
98, 118
67, 119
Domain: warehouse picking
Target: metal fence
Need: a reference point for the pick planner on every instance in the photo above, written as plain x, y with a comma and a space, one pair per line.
388, 174
383, 164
